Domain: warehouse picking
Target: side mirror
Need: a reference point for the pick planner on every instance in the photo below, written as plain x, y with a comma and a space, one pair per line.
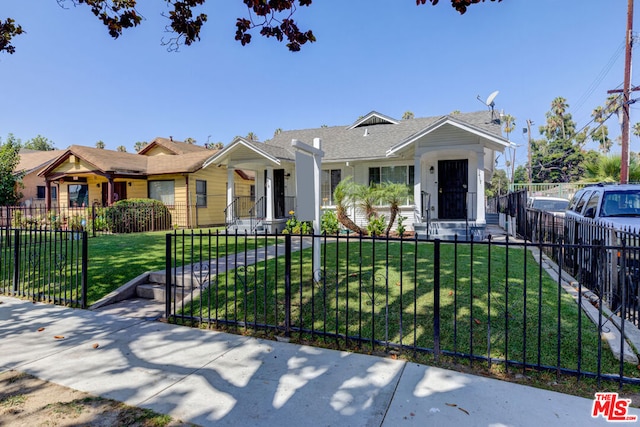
590, 213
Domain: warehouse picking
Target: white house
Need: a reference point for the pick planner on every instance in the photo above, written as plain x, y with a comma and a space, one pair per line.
445, 159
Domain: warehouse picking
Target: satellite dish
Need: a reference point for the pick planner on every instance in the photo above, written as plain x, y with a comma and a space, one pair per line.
489, 102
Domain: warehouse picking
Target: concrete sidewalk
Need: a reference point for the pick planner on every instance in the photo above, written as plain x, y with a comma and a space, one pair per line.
213, 378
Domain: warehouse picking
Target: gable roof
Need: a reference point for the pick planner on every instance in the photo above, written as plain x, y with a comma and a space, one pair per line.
363, 142
32, 160
110, 161
175, 147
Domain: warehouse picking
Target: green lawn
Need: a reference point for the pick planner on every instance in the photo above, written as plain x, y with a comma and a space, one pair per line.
116, 259
495, 306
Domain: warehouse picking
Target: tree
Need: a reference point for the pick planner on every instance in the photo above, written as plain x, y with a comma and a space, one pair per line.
214, 146
8, 30
9, 179
271, 18
558, 156
395, 195
139, 145
407, 115
39, 143
252, 136
343, 197
601, 133
499, 184
606, 168
100, 145
509, 125
121, 148
190, 140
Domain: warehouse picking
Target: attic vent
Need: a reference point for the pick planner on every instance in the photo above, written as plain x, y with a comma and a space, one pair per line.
366, 132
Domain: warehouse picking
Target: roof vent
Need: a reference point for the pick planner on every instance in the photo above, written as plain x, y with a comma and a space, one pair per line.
366, 132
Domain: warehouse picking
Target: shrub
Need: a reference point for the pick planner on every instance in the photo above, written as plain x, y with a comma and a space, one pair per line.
401, 228
137, 215
329, 223
376, 225
293, 226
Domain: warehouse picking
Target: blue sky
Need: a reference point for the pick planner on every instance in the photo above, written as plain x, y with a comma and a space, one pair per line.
72, 83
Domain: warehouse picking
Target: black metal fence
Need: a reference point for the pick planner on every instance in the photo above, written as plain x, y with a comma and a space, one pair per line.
96, 219
44, 265
486, 301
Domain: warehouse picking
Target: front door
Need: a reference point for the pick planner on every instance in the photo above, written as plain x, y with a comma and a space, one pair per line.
278, 193
453, 185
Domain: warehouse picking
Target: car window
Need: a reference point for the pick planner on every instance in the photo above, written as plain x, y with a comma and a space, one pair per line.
593, 202
621, 203
550, 205
582, 201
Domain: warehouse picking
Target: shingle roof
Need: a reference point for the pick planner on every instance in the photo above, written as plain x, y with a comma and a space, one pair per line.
31, 160
341, 143
176, 147
110, 161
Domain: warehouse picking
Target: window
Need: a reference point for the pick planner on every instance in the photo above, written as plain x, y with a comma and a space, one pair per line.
201, 193
42, 189
163, 191
78, 195
394, 175
329, 182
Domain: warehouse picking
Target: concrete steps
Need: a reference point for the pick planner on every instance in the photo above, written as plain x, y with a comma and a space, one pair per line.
448, 230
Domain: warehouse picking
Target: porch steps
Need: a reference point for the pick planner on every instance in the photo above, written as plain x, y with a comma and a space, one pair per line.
492, 218
242, 225
155, 288
448, 230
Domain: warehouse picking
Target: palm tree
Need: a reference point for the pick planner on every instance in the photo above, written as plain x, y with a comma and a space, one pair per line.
367, 198
122, 148
607, 169
100, 145
394, 194
407, 115
139, 145
343, 198
252, 136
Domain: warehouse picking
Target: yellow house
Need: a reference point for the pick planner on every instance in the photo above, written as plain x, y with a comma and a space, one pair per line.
33, 186
165, 170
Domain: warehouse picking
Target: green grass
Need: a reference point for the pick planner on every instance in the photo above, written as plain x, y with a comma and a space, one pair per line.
494, 307
116, 259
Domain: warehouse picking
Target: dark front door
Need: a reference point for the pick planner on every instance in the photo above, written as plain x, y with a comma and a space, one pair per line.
278, 193
452, 189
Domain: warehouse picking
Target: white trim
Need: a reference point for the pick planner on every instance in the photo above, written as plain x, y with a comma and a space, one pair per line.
501, 142
216, 158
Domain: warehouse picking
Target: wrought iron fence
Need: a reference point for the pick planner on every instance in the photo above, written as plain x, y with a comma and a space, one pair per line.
96, 219
44, 265
482, 301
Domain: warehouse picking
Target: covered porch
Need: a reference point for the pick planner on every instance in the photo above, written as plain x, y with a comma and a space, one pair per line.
268, 205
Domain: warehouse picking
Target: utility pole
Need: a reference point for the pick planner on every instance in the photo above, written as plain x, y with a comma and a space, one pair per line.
626, 98
529, 123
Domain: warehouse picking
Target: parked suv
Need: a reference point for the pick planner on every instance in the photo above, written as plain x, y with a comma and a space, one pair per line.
599, 220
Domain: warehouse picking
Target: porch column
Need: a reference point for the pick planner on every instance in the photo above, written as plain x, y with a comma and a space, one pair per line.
47, 195
230, 193
269, 189
110, 190
480, 202
417, 190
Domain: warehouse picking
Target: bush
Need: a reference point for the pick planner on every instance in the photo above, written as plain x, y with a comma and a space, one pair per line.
329, 223
137, 215
293, 226
376, 225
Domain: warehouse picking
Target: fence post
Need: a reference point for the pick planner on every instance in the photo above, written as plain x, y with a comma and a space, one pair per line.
16, 260
168, 276
85, 263
287, 285
436, 299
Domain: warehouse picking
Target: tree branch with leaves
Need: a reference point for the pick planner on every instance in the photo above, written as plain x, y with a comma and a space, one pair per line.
272, 19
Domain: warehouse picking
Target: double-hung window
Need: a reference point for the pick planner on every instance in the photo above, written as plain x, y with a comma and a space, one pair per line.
163, 191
